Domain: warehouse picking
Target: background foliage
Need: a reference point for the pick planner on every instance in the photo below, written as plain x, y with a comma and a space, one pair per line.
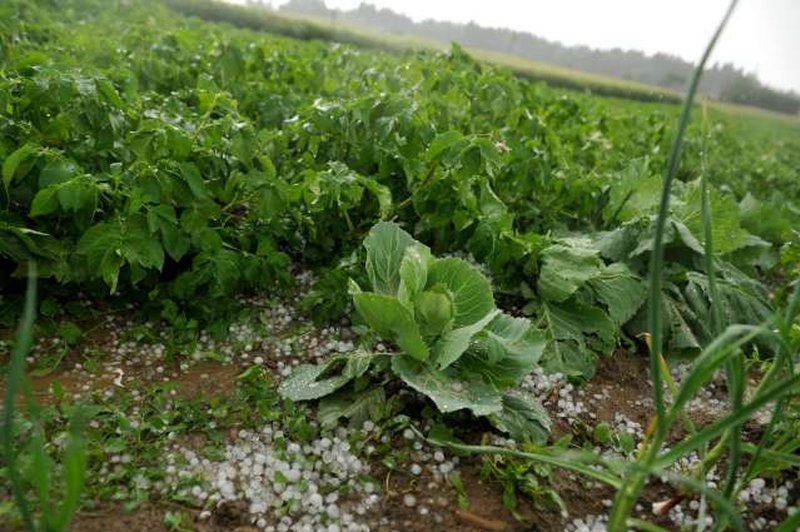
154, 155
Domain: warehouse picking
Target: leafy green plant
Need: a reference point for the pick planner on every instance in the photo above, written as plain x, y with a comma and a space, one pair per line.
581, 303
454, 345
533, 480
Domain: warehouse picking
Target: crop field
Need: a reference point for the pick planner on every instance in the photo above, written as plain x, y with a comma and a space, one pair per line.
249, 282
309, 27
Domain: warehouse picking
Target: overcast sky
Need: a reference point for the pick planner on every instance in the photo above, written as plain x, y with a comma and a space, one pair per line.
763, 35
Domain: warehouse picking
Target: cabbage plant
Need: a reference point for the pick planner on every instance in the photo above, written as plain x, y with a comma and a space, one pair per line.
452, 343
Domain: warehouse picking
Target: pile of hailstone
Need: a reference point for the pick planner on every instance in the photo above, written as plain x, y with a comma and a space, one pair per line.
541, 385
317, 486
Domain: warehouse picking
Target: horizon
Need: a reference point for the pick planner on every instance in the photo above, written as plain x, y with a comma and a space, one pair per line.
770, 23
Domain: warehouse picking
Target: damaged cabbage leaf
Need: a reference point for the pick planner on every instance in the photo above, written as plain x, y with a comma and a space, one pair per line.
453, 345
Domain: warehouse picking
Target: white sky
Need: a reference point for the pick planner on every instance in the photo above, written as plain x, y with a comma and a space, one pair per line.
763, 36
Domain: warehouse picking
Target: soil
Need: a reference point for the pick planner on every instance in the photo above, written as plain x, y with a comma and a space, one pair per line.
486, 511
620, 387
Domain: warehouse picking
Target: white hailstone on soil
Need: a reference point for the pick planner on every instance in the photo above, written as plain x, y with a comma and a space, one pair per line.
542, 386
589, 523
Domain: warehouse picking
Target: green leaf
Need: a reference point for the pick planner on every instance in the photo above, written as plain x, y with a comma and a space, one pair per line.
110, 265
307, 381
191, 174
507, 350
453, 344
447, 388
523, 418
305, 384
637, 194
448, 143
44, 202
569, 329
381, 193
678, 315
13, 161
742, 300
57, 171
101, 244
112, 244
565, 269
77, 193
726, 229
355, 407
105, 88
70, 333
413, 274
140, 248
675, 233
386, 246
389, 318
176, 244
470, 290
622, 292
221, 269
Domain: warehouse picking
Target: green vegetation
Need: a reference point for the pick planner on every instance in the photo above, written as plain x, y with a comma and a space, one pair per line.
312, 26
475, 231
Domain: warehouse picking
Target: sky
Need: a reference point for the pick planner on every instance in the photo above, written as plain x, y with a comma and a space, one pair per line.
763, 36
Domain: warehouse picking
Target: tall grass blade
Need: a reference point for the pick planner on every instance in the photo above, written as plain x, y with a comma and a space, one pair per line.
657, 258
735, 365
16, 374
713, 356
709, 432
723, 504
74, 470
626, 497
790, 524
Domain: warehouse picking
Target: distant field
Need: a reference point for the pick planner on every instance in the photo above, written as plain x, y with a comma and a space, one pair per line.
314, 28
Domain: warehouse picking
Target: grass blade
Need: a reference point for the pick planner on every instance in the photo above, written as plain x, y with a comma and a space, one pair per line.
790, 524
713, 356
657, 258
626, 497
74, 470
737, 416
16, 374
722, 503
567, 459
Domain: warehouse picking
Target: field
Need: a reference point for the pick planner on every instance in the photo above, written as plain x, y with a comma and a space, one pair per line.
258, 283
308, 27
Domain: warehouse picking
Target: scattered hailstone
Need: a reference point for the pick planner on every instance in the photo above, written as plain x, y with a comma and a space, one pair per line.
589, 523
